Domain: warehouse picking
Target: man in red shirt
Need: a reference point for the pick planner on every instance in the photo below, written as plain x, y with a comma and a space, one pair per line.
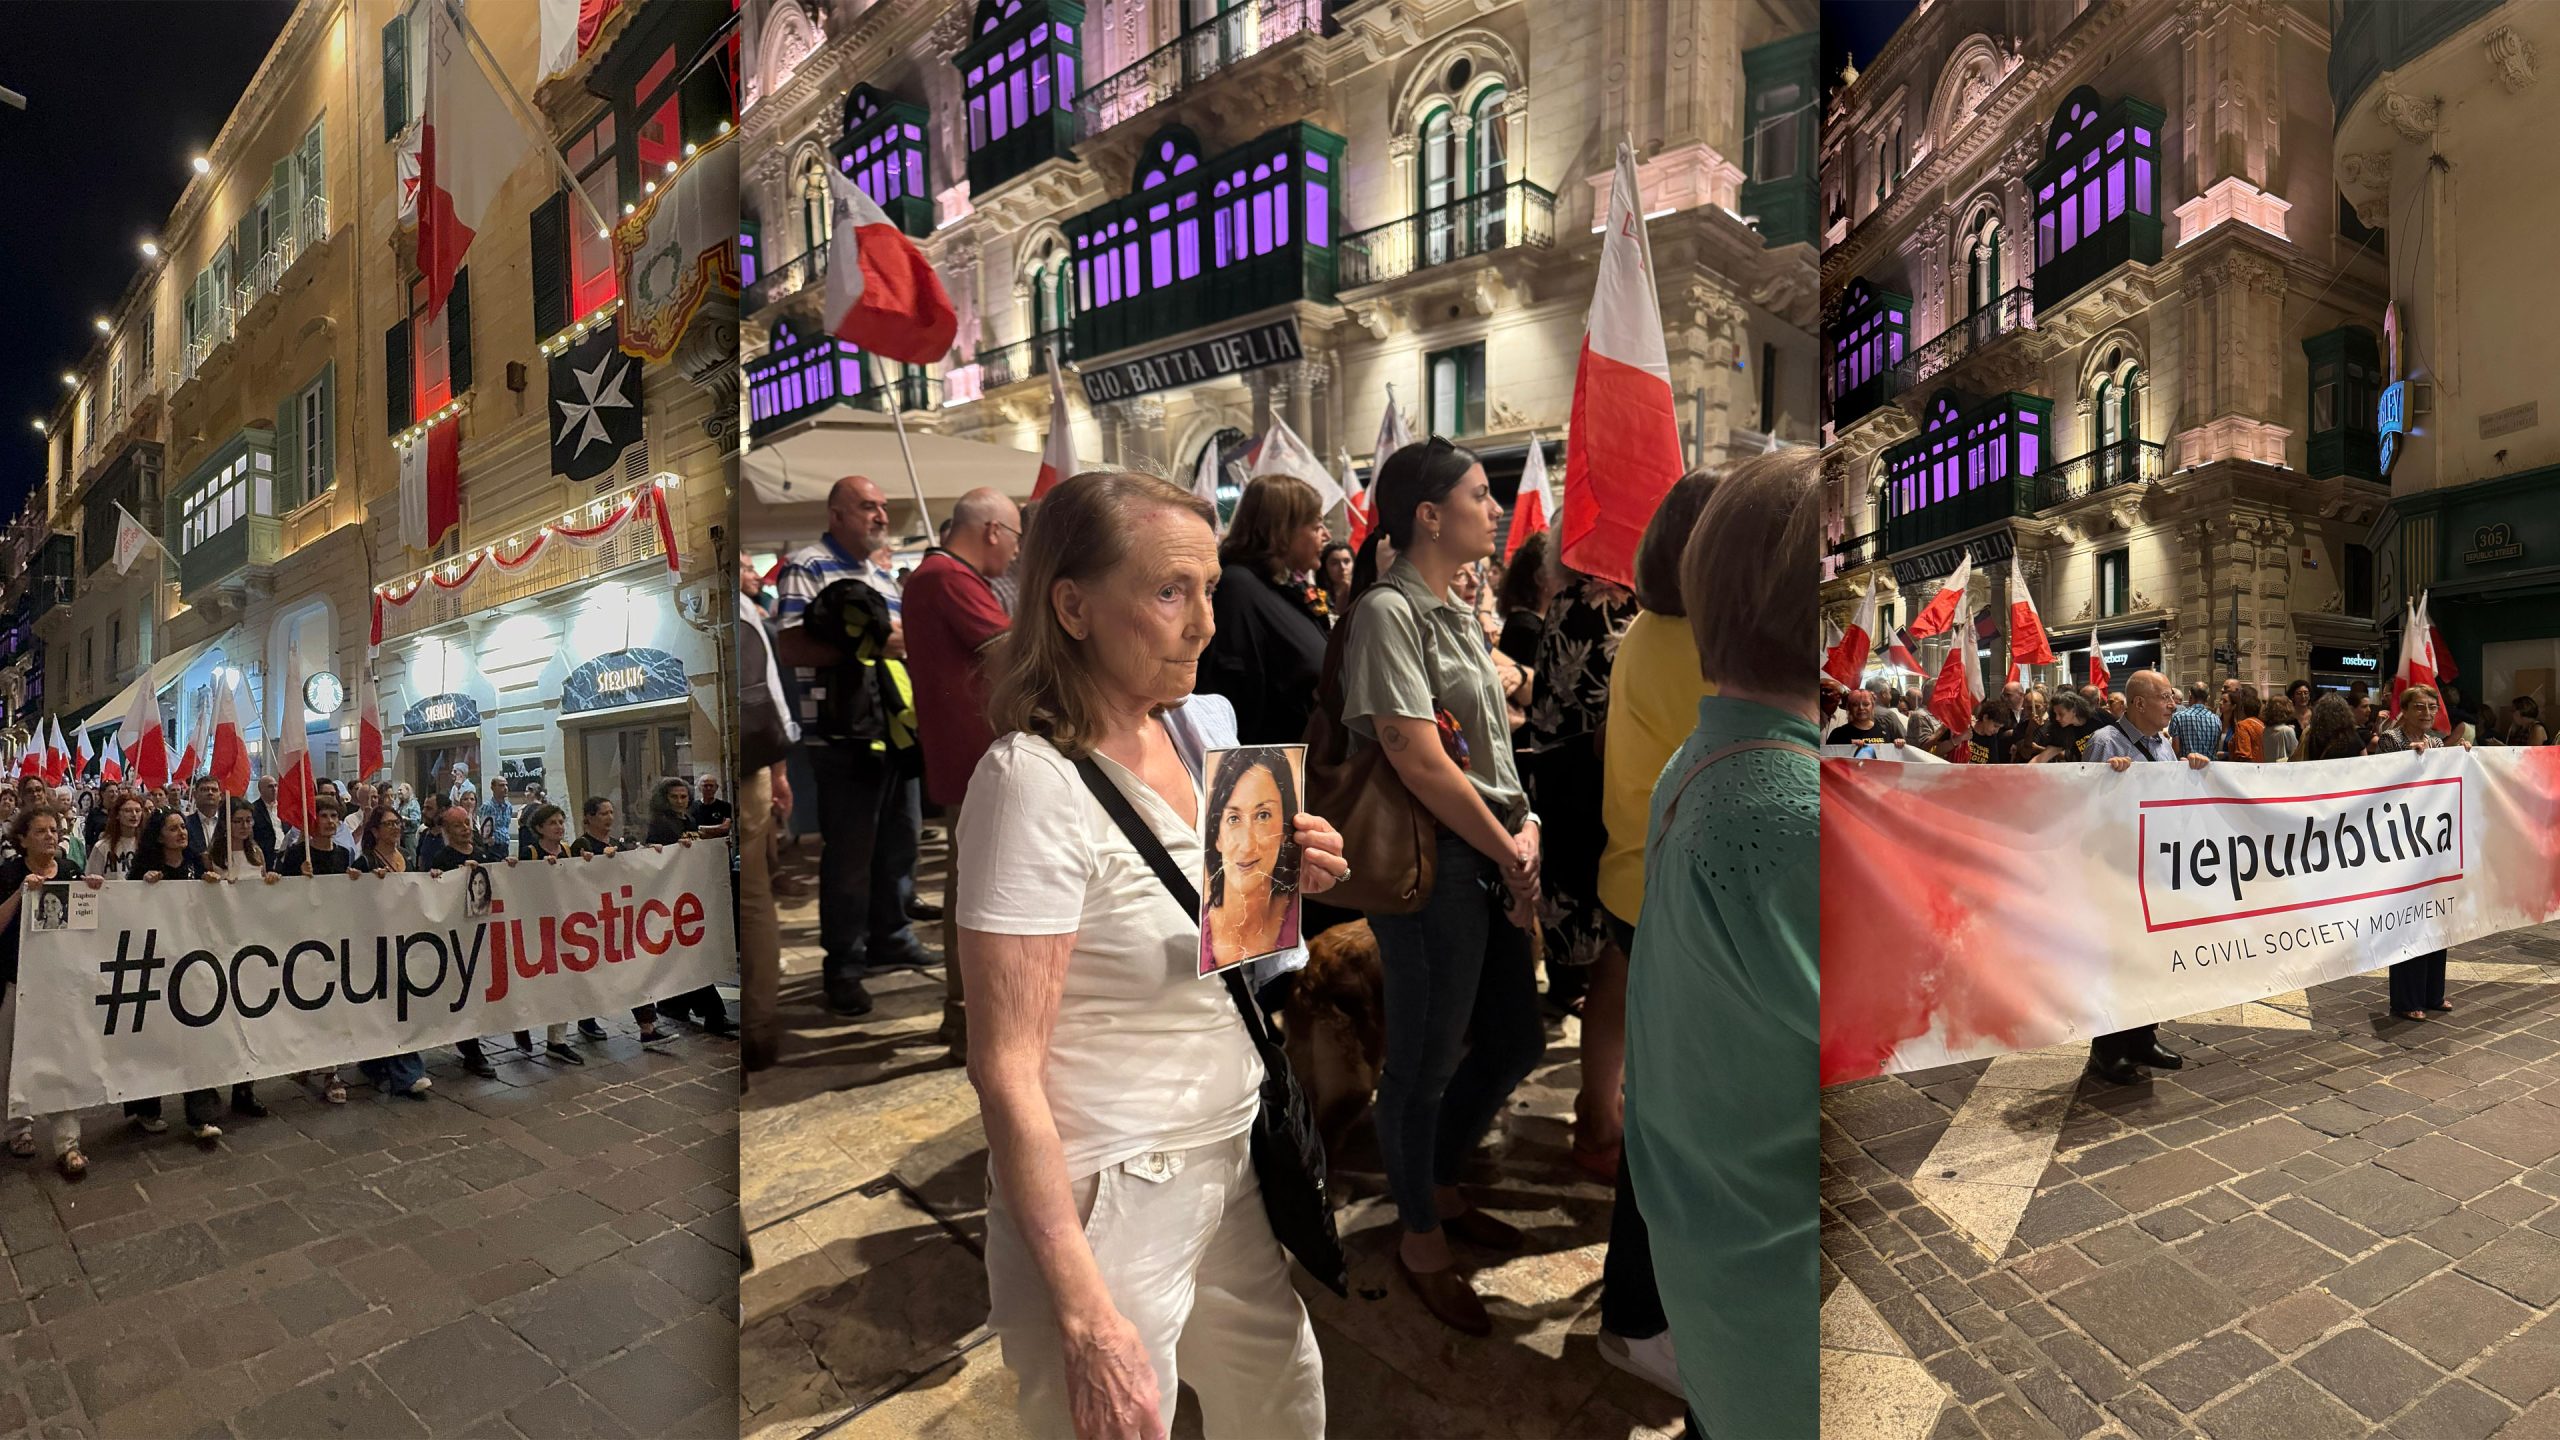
952, 616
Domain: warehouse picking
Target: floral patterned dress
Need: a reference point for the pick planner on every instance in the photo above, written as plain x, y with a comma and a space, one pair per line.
1568, 707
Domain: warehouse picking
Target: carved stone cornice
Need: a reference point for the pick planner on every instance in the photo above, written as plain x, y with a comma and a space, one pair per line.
2127, 291
2414, 116
2511, 58
2366, 181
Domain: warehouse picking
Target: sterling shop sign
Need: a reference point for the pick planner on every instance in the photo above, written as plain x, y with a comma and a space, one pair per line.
1270, 343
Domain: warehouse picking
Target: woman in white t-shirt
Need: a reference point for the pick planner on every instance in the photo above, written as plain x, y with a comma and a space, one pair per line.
1125, 1227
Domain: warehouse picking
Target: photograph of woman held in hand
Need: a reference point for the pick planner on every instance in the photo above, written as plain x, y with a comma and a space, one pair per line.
1249, 896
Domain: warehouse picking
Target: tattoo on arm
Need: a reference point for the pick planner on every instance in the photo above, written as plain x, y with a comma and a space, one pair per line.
1392, 736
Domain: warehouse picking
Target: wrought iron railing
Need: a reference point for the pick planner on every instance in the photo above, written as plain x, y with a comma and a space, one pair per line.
916, 390
2126, 462
2012, 312
787, 279
1245, 30
1848, 554
255, 280
1023, 359
1516, 214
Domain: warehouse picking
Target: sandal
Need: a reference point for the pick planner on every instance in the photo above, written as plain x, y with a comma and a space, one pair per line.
22, 1143
335, 1092
72, 1163
2413, 1014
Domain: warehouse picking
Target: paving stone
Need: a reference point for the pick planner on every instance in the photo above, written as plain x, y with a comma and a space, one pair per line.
2385, 1273
460, 1372
2455, 1410
2297, 1320
2523, 1263
2282, 1405
2449, 1318
2368, 1372
2525, 1368
2257, 1259
2380, 1201
2526, 1131
2450, 1167
2144, 1309
2161, 1179
351, 1402
2193, 1377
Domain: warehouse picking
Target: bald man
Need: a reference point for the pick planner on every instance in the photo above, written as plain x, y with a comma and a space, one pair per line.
868, 810
954, 617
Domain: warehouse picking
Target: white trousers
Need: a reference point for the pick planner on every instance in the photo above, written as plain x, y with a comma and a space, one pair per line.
1188, 1255
64, 1130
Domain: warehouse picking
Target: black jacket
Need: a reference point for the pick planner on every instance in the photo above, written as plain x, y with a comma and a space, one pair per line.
1266, 658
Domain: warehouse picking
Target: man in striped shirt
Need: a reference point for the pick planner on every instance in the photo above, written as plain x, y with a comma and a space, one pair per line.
869, 809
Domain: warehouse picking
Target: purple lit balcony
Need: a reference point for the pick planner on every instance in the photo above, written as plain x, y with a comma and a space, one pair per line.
1023, 359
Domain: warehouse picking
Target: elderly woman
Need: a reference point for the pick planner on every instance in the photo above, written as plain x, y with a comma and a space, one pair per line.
1462, 1021
1724, 992
1125, 1224
35, 859
1269, 645
2417, 983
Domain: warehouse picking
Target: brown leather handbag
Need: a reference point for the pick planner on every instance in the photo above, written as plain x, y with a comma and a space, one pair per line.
1388, 836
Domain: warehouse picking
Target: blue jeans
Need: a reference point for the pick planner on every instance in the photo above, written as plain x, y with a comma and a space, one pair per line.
394, 1074
1457, 972
868, 814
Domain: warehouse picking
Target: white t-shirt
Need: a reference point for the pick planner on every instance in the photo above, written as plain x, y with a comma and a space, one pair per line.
1145, 1055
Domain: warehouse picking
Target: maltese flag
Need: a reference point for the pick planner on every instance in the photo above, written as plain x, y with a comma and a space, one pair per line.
1533, 509
1624, 453
1283, 453
1847, 662
371, 755
882, 293
1940, 612
199, 745
467, 146
1959, 685
81, 755
1899, 654
1058, 458
2028, 644
111, 763
2418, 662
230, 764
57, 756
293, 748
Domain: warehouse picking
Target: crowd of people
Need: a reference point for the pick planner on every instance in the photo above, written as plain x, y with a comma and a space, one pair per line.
2145, 721
97, 831
1609, 788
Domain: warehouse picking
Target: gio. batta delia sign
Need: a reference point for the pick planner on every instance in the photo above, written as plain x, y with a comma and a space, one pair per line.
187, 986
1267, 344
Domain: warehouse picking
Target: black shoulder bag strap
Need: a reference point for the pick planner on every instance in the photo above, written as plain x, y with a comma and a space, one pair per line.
1288, 1153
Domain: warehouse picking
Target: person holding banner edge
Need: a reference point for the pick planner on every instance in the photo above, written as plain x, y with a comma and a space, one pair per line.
36, 838
456, 844
2417, 983
383, 852
2141, 733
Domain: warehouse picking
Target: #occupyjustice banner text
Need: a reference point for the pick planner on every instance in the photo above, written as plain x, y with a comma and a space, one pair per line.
176, 986
1973, 910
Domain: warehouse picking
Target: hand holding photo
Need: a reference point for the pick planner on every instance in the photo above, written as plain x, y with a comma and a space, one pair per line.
1249, 899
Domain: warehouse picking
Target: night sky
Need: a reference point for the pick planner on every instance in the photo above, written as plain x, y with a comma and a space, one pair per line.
119, 96
1857, 28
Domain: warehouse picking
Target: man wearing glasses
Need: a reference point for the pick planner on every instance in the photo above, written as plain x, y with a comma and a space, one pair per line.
953, 614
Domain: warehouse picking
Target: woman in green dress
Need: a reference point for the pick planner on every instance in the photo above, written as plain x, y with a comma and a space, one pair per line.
1724, 993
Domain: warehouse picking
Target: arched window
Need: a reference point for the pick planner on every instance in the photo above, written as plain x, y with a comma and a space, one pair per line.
1440, 166
1489, 169
817, 204
2092, 195
1982, 263
2115, 424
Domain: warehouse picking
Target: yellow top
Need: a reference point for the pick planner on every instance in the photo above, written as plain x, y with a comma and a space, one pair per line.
1654, 690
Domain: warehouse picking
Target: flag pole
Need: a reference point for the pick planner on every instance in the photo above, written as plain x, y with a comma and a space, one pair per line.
539, 131
897, 419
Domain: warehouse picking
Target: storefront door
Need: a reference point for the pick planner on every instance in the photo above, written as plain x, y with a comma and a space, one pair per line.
428, 765
624, 763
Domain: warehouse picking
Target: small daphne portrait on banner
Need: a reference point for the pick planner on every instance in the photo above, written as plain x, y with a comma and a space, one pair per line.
1249, 899
475, 891
53, 908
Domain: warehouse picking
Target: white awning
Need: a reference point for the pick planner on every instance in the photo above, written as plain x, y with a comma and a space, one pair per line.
164, 673
784, 504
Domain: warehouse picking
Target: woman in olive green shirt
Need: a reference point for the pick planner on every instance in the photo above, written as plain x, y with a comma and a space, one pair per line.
1724, 991
1462, 1020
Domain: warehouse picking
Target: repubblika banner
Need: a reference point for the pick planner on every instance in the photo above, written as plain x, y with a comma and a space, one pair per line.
136, 989
1973, 910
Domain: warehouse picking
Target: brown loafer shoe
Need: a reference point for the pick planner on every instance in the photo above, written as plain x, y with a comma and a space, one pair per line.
1446, 1294
1483, 1231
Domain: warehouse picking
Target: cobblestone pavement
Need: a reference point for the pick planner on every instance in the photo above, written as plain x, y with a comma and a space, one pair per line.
863, 1185
2331, 1223
551, 1253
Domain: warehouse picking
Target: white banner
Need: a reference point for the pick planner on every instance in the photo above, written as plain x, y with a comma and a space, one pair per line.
139, 989
1969, 910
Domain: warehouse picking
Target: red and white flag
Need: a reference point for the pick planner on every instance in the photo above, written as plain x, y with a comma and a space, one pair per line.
293, 747
2028, 644
111, 763
57, 756
371, 754
468, 143
1204, 482
1623, 454
131, 539
2097, 667
1847, 662
31, 759
1058, 457
431, 486
1940, 612
199, 744
230, 762
2418, 661
882, 293
1900, 655
1958, 688
82, 757
1283, 453
1533, 510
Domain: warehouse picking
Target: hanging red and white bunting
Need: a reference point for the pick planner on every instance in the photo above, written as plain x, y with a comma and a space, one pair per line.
582, 530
